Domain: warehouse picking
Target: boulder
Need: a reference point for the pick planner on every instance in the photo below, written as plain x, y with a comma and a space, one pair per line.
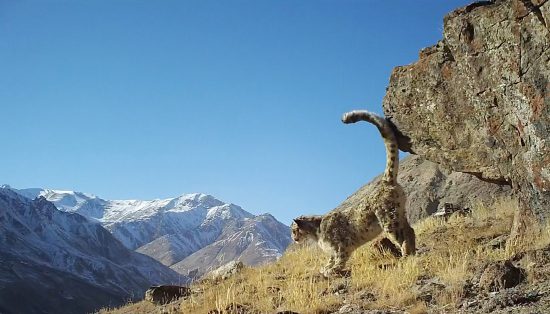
478, 101
450, 210
501, 275
226, 271
166, 294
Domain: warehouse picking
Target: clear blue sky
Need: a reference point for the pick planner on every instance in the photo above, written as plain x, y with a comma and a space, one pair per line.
238, 99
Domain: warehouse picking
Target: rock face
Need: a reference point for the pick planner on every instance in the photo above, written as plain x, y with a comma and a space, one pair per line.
479, 100
428, 186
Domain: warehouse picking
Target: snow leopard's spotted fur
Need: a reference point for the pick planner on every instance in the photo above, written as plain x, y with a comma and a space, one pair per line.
339, 233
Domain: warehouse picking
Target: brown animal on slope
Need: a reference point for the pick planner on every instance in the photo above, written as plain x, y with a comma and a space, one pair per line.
339, 233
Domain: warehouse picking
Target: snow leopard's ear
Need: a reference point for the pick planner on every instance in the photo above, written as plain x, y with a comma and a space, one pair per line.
299, 221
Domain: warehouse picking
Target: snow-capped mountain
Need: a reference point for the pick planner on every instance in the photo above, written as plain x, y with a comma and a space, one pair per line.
181, 232
257, 240
60, 262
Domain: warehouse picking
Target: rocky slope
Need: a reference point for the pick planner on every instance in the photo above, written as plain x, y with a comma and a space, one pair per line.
479, 100
53, 262
193, 233
428, 186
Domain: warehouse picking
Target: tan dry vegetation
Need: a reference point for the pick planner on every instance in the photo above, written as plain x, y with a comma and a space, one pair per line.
130, 308
450, 251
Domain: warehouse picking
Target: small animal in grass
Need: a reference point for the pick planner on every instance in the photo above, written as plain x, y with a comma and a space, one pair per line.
339, 233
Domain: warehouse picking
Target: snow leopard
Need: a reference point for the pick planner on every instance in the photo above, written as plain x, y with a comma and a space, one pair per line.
340, 232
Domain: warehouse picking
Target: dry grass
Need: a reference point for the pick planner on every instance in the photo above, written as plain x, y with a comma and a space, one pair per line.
450, 251
291, 282
131, 308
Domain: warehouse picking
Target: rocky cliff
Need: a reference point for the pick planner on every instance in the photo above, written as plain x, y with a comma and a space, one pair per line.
478, 101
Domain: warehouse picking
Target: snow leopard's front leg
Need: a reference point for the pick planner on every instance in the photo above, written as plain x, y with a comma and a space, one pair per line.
339, 259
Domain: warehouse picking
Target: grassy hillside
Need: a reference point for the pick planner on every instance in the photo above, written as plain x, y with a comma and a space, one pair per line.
440, 278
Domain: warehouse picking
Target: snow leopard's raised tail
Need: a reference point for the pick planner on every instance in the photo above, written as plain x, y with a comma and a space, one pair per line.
390, 141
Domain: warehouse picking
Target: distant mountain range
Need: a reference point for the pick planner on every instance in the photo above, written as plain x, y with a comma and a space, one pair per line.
75, 252
53, 261
192, 233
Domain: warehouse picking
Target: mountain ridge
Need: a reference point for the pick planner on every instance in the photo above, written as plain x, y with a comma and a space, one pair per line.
173, 229
49, 252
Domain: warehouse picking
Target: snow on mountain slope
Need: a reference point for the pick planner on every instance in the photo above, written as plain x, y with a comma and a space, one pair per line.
87, 205
171, 230
258, 240
196, 220
48, 252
